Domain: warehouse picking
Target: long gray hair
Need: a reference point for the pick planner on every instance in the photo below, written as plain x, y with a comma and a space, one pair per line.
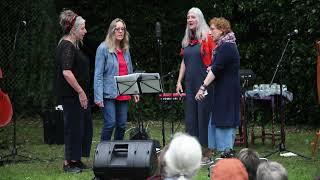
111, 39
202, 28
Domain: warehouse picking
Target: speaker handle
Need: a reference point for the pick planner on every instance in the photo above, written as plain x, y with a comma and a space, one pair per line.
120, 150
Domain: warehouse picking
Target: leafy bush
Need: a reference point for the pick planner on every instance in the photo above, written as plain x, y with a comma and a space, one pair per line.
260, 26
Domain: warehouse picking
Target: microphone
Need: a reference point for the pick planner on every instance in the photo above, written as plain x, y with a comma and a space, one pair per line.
294, 32
158, 30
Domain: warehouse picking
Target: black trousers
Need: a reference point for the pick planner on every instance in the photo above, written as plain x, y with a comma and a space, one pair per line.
77, 129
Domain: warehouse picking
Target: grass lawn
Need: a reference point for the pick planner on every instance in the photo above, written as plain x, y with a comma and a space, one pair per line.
30, 143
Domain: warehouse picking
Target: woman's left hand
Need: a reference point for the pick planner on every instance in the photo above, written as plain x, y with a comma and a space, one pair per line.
200, 95
136, 98
208, 69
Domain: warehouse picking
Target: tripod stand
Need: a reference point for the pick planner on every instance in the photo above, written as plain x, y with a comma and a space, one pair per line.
167, 103
12, 156
138, 84
281, 146
14, 151
140, 132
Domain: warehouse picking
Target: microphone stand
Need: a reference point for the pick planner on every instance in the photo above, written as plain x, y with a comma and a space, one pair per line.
159, 45
14, 150
281, 146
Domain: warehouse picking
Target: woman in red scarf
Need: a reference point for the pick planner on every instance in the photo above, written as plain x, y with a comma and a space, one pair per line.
197, 46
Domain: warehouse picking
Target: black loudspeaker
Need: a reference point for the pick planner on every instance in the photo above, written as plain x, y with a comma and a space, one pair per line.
53, 127
129, 160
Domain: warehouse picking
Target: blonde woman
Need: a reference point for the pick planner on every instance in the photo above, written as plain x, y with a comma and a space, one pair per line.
113, 59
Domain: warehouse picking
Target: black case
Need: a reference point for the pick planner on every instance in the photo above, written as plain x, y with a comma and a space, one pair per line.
53, 127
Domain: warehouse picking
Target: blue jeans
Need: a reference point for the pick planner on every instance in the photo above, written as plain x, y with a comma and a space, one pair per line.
115, 115
220, 138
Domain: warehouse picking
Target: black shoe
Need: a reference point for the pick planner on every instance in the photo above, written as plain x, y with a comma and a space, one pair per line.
80, 164
228, 154
206, 161
70, 168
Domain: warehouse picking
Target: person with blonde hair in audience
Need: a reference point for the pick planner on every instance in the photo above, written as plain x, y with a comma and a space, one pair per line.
271, 171
183, 158
251, 160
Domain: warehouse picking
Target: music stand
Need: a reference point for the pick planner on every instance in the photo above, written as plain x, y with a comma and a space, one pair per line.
138, 84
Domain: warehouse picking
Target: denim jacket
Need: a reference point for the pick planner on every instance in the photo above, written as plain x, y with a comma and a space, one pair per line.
106, 67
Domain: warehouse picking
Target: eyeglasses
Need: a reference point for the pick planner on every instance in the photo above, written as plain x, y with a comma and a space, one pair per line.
211, 28
118, 29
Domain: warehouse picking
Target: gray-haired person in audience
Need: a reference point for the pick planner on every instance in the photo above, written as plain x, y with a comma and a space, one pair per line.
251, 159
183, 157
271, 171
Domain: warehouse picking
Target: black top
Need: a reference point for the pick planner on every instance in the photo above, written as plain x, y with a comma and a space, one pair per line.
68, 57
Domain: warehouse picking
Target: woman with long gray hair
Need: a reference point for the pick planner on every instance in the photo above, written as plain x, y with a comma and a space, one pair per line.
196, 52
71, 85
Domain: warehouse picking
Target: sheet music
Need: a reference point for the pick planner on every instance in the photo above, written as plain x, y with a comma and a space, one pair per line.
129, 84
150, 83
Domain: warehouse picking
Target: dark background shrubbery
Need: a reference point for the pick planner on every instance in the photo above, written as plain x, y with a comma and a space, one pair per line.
260, 28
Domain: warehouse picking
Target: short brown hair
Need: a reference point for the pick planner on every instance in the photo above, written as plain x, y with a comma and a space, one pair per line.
222, 24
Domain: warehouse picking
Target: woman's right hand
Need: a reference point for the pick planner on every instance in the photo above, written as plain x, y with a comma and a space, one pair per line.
99, 104
179, 89
83, 100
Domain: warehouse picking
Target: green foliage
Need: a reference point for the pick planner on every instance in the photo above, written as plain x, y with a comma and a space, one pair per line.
260, 28
28, 72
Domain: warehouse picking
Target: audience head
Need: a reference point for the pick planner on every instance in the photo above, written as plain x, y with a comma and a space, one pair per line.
183, 157
229, 169
251, 160
271, 171
161, 161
